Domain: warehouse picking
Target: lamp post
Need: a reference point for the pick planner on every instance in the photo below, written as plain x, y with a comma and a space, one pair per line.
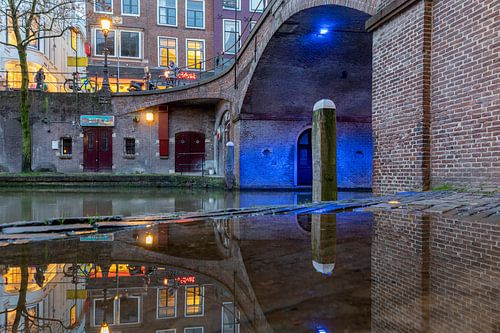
105, 26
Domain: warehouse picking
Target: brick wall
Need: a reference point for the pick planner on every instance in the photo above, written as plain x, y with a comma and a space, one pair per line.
465, 94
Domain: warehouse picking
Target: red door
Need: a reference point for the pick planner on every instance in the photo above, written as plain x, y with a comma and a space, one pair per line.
97, 148
189, 151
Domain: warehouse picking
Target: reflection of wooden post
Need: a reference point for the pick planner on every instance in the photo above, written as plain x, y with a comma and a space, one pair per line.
324, 151
324, 242
229, 165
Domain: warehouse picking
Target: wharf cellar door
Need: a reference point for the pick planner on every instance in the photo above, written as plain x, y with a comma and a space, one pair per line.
97, 149
189, 151
304, 159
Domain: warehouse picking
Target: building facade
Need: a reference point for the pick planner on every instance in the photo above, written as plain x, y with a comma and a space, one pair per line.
147, 36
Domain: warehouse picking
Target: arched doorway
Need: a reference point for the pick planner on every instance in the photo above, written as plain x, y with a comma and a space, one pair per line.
189, 151
304, 159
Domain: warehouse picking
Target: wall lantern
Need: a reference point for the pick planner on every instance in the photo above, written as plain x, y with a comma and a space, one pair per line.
149, 239
149, 117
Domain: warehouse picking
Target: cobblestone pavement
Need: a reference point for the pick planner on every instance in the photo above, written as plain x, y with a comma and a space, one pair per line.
463, 206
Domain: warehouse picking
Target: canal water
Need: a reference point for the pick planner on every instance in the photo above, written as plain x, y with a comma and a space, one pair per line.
42, 205
346, 272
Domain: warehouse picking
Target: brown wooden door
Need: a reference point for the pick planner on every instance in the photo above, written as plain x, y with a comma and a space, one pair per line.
189, 151
97, 148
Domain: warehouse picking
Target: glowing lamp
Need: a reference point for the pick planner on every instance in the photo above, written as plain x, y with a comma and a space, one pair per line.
321, 330
167, 73
105, 25
104, 328
165, 281
394, 202
149, 117
323, 31
149, 239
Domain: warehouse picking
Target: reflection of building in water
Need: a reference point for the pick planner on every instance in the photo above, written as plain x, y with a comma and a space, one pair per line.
49, 295
433, 274
146, 298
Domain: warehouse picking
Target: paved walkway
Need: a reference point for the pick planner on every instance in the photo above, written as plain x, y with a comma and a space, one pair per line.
466, 206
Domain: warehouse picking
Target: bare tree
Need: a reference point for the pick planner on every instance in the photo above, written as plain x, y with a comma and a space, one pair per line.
28, 22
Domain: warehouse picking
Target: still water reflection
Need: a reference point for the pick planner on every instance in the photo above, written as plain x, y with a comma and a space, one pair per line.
348, 272
42, 205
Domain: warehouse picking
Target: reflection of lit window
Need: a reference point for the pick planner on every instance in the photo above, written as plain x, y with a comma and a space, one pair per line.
13, 278
66, 146
194, 300
129, 310
166, 303
230, 318
72, 316
193, 329
99, 307
195, 54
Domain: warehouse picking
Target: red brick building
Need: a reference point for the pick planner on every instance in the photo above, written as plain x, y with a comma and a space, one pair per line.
150, 34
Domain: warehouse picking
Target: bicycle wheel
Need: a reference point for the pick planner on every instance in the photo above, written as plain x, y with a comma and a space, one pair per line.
87, 86
68, 85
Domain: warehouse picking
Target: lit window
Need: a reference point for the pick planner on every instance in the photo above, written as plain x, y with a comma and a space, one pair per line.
193, 329
167, 12
195, 54
194, 300
231, 4
231, 35
129, 145
72, 316
130, 7
129, 310
166, 303
66, 146
230, 318
99, 43
130, 44
103, 6
195, 14
167, 49
100, 307
257, 5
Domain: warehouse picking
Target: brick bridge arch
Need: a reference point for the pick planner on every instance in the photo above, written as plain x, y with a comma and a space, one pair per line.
222, 87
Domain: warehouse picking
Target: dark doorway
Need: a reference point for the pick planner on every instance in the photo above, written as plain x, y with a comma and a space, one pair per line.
189, 151
97, 149
304, 159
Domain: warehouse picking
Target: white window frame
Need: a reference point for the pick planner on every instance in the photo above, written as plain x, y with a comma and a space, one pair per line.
94, 44
256, 10
158, 303
176, 50
186, 15
238, 39
94, 324
238, 6
204, 54
168, 330
98, 11
236, 315
176, 14
187, 328
138, 9
202, 291
252, 24
139, 314
140, 44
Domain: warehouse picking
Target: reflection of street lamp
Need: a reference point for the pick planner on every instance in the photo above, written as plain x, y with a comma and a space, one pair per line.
104, 325
150, 118
149, 239
105, 26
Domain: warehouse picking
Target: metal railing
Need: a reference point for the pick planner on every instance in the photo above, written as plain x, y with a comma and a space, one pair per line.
53, 82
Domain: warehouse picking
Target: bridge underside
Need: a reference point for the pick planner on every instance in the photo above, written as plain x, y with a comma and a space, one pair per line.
322, 52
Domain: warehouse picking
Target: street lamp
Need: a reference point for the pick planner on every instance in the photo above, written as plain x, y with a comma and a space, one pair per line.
105, 26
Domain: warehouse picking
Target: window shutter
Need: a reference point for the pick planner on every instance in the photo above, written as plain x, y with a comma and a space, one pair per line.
163, 130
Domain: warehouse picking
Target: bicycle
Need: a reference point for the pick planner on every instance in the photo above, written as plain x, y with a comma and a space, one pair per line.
86, 86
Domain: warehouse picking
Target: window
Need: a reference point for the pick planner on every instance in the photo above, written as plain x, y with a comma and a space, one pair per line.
129, 310
166, 303
194, 301
195, 54
100, 307
130, 44
252, 24
193, 330
103, 6
167, 51
167, 12
195, 14
230, 318
131, 7
35, 43
171, 330
231, 36
231, 4
257, 5
99, 43
129, 145
66, 148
